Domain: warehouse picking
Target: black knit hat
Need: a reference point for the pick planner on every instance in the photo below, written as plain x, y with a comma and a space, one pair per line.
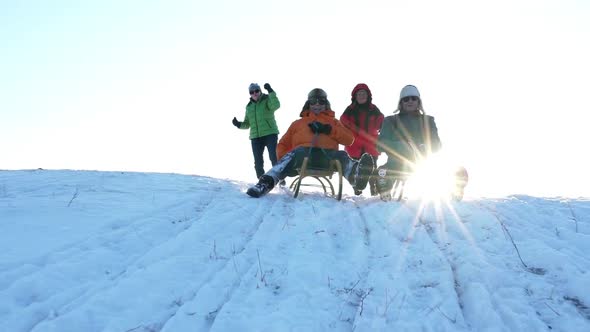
315, 93
318, 93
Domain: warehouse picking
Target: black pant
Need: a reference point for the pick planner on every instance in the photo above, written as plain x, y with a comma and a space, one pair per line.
258, 145
396, 168
294, 158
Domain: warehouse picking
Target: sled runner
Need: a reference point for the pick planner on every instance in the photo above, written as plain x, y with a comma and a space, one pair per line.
398, 189
322, 173
392, 191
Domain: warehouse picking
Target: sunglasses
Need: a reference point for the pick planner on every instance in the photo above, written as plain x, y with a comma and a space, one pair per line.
321, 101
254, 91
412, 98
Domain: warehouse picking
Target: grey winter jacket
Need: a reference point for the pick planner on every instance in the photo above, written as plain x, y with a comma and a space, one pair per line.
404, 135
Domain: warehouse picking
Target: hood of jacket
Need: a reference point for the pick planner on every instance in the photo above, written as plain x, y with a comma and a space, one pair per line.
357, 88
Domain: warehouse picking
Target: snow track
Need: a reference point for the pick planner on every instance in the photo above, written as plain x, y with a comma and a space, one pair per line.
136, 252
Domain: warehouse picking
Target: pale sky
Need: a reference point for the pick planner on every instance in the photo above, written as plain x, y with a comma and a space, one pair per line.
152, 86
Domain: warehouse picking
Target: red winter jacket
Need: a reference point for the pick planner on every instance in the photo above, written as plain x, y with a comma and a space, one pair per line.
365, 122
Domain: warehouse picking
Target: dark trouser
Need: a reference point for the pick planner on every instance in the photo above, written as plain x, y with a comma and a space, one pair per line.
287, 166
258, 145
373, 179
396, 169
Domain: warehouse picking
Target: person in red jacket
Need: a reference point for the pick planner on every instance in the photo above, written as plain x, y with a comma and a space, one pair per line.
364, 119
319, 129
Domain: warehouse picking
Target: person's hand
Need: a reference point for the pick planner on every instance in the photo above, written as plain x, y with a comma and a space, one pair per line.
314, 126
236, 122
326, 129
268, 88
320, 128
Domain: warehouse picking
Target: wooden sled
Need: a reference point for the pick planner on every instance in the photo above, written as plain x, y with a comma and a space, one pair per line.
322, 174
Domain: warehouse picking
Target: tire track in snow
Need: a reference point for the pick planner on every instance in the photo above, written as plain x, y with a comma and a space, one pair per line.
475, 291
203, 234
554, 229
75, 299
444, 252
90, 243
307, 236
358, 293
239, 278
392, 232
204, 315
66, 297
210, 276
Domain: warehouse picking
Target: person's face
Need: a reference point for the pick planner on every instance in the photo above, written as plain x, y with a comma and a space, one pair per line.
361, 96
410, 104
255, 94
316, 105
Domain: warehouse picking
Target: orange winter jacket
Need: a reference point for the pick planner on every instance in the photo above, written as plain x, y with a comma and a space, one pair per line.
299, 133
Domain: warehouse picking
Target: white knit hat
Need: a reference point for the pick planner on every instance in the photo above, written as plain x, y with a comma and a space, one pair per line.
409, 91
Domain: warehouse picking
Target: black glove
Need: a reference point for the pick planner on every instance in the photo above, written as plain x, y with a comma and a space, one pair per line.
320, 128
326, 129
236, 122
268, 88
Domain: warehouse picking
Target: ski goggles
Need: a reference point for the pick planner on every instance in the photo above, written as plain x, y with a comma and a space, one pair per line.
254, 91
412, 98
321, 101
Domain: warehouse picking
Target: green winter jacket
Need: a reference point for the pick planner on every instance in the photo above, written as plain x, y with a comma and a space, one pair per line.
260, 116
404, 135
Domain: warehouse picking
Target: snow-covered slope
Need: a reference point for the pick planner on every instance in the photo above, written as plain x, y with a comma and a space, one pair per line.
108, 251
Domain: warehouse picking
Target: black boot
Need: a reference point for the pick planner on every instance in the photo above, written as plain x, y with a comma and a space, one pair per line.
364, 169
264, 185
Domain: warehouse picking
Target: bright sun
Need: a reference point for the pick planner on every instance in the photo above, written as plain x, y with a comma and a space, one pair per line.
433, 179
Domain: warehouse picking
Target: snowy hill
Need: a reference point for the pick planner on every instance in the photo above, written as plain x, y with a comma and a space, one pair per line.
110, 251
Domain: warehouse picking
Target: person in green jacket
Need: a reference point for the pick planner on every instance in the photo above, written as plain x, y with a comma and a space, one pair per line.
260, 119
406, 137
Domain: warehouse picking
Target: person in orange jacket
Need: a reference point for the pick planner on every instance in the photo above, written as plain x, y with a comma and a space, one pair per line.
318, 128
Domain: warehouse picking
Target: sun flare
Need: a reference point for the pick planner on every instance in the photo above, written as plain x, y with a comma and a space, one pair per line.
433, 179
